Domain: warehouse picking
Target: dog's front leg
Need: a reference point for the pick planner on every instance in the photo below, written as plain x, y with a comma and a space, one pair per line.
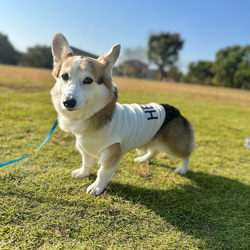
88, 163
109, 161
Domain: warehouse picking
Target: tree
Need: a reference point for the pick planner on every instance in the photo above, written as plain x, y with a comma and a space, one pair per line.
242, 74
38, 56
175, 74
232, 67
200, 72
163, 50
8, 54
226, 64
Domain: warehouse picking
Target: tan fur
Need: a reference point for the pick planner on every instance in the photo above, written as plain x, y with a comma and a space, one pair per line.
112, 156
94, 67
100, 119
56, 71
57, 66
178, 136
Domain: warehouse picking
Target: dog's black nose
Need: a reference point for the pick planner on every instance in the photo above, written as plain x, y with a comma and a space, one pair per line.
71, 103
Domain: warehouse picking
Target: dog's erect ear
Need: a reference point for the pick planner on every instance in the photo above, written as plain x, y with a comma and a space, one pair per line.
60, 48
60, 51
111, 57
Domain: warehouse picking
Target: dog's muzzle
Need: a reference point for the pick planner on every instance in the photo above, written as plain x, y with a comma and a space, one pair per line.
69, 104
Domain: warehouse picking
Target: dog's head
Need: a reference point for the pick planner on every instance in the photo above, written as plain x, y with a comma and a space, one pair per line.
83, 84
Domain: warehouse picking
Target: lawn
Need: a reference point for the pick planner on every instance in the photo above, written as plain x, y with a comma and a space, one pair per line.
144, 206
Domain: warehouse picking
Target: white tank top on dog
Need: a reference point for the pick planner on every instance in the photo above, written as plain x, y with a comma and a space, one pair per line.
132, 126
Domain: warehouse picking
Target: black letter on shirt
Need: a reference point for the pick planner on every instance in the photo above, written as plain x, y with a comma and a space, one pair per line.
149, 110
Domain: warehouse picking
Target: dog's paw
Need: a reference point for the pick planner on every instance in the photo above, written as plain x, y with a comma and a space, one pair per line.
181, 170
141, 159
79, 173
95, 189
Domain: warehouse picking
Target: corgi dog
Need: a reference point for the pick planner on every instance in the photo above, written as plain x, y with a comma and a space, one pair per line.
85, 99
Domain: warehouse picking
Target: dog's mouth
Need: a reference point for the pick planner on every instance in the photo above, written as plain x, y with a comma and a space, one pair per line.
70, 109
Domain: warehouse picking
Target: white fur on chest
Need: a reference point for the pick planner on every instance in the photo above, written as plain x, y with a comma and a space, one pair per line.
73, 126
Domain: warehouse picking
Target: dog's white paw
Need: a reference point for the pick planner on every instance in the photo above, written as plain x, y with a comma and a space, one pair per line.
141, 159
95, 189
79, 173
181, 170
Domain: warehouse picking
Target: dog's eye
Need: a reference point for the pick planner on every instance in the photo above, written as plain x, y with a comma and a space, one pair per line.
65, 76
87, 80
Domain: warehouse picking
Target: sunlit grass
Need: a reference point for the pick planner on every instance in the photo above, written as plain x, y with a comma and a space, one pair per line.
144, 206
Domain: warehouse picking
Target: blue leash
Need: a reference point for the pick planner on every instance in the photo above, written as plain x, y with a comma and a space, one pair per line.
19, 159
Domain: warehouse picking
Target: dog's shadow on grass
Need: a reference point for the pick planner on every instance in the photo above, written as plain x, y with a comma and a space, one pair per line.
212, 208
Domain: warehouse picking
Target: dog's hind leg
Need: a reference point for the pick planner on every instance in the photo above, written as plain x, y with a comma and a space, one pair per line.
183, 168
177, 140
147, 157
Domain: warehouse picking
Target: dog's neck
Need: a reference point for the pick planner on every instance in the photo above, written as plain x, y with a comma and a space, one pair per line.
101, 118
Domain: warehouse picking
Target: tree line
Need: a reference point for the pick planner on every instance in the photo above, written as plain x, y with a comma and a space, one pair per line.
231, 67
37, 56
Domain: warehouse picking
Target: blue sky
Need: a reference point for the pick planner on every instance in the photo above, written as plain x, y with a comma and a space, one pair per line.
95, 26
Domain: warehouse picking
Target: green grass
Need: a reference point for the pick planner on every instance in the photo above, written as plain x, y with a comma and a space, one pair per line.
144, 206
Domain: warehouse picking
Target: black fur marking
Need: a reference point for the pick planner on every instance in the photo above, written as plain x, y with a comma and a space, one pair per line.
115, 91
100, 81
171, 113
185, 122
